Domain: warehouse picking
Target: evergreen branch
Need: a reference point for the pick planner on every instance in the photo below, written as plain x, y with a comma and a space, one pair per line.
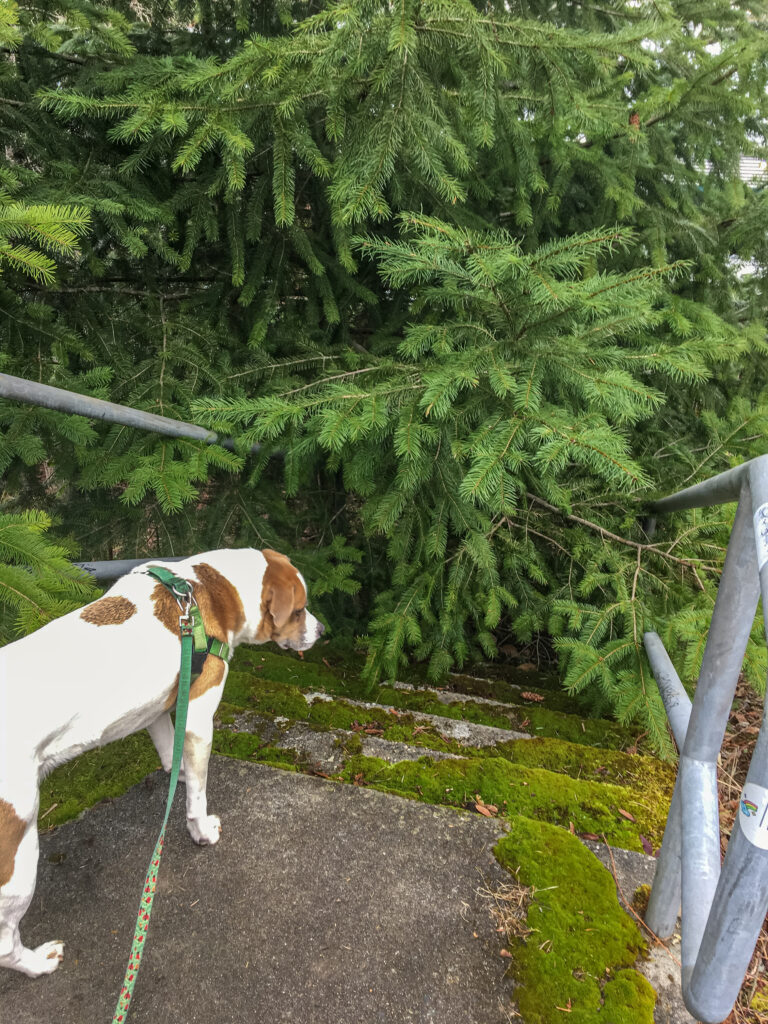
95, 288
606, 534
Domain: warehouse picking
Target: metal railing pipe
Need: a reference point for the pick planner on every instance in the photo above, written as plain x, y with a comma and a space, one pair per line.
738, 911
716, 491
31, 393
102, 571
739, 904
732, 620
677, 703
664, 902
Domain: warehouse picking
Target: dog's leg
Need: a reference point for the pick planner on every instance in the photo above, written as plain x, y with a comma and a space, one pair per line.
203, 827
18, 872
161, 734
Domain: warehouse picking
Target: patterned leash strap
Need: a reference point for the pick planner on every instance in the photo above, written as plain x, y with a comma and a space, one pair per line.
188, 621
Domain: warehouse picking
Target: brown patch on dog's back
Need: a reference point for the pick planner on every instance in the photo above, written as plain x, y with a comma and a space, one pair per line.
282, 600
219, 602
108, 611
166, 609
12, 830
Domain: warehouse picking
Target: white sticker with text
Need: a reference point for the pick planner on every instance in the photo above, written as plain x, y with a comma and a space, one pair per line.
753, 814
761, 535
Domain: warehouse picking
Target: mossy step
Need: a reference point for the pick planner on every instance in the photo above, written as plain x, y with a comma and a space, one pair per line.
326, 748
271, 685
466, 733
622, 797
578, 957
618, 814
508, 691
579, 948
320, 749
512, 698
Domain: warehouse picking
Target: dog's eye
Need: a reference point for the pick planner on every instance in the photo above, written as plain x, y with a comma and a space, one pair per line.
298, 613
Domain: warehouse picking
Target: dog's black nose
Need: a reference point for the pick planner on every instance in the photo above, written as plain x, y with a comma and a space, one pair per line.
320, 628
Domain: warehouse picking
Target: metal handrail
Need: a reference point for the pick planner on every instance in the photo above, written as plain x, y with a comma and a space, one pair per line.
722, 909
19, 390
112, 570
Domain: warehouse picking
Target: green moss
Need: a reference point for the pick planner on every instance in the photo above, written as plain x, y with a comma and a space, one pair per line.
516, 789
248, 747
336, 666
581, 941
629, 999
640, 899
656, 778
350, 744
532, 719
308, 673
100, 774
277, 690
226, 713
243, 691
508, 690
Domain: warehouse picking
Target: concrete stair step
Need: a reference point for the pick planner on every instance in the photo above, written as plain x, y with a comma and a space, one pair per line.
327, 749
470, 734
458, 697
520, 707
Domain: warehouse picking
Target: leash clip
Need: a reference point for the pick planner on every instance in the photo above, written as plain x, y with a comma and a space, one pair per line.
185, 600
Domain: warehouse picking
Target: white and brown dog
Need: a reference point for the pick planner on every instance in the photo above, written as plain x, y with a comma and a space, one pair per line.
110, 669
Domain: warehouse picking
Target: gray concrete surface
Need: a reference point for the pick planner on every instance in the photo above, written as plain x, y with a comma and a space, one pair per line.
324, 748
323, 903
471, 734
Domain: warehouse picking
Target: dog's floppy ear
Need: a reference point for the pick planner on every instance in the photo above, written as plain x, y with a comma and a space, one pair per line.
279, 588
280, 603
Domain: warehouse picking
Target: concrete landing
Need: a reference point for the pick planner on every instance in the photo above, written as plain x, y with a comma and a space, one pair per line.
322, 904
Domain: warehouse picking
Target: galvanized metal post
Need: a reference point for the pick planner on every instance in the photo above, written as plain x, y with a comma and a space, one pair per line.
741, 899
664, 903
732, 620
677, 703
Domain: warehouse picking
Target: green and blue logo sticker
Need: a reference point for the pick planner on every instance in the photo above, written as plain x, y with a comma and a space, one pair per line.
753, 814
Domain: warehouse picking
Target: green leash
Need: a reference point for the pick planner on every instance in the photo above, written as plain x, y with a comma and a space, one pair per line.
193, 637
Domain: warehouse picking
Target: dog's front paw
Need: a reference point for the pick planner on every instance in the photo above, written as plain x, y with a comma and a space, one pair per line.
43, 960
205, 831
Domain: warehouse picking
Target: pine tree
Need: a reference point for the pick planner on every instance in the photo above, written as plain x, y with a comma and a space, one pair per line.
475, 270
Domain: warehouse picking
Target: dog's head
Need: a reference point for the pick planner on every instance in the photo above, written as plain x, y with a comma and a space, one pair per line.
284, 615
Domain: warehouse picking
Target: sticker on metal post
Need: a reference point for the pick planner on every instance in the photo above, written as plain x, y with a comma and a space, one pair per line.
761, 535
753, 814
